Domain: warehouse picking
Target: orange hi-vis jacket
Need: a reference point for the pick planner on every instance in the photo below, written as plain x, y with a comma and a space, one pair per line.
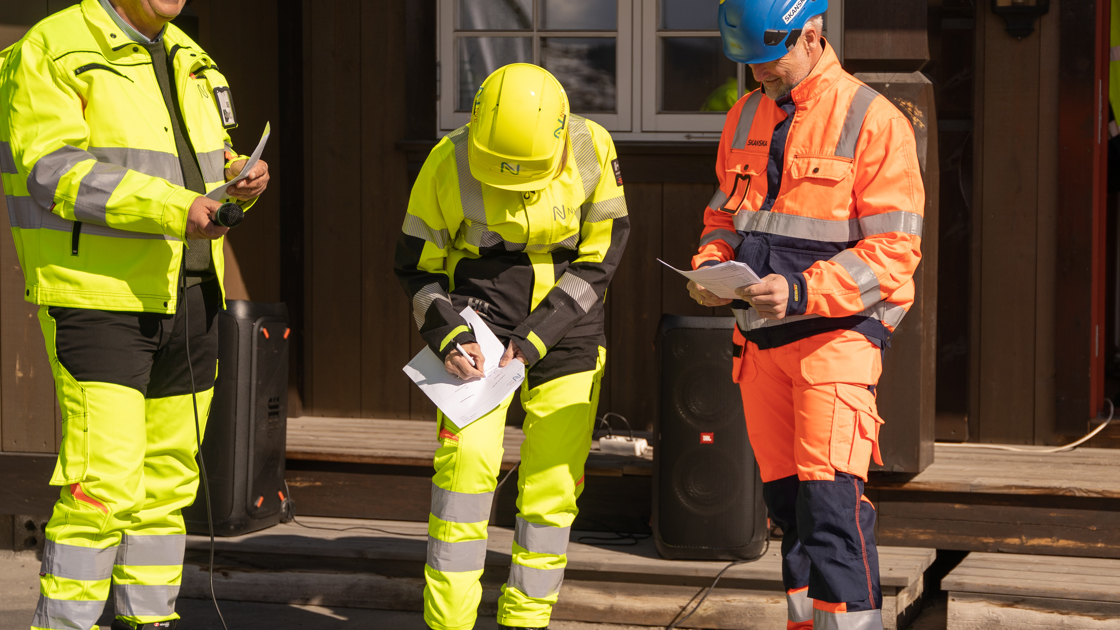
846, 224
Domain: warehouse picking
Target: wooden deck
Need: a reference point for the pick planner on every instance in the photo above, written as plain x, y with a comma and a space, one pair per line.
989, 591
968, 499
379, 564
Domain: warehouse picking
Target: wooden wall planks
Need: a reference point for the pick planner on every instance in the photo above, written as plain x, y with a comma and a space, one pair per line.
29, 418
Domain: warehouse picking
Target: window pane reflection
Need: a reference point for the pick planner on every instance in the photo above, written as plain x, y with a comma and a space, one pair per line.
579, 15
689, 15
586, 67
495, 15
696, 75
479, 56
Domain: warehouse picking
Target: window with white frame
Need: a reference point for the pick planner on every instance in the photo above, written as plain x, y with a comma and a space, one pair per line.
644, 69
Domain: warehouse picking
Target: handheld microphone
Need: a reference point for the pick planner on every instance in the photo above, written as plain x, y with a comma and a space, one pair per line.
229, 215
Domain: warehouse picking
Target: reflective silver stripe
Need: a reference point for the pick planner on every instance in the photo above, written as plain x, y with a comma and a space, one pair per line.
7, 159
897, 221
587, 161
213, 165
456, 557
423, 300
746, 119
536, 538
605, 210
152, 551
25, 214
145, 600
862, 273
229, 147
78, 563
734, 239
478, 235
579, 290
416, 227
794, 226
470, 189
153, 163
42, 182
799, 606
538, 583
853, 123
572, 243
460, 507
1114, 53
62, 614
889, 314
94, 192
862, 620
718, 200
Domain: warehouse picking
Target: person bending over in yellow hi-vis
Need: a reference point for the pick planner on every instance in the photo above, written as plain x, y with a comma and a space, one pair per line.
519, 215
111, 132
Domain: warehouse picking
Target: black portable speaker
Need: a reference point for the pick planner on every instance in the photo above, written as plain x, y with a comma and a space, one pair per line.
707, 493
246, 432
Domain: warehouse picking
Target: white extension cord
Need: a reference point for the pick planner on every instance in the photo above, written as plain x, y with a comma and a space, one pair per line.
1056, 449
622, 445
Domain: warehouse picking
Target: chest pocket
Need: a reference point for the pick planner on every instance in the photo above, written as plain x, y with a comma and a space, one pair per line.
822, 182
746, 178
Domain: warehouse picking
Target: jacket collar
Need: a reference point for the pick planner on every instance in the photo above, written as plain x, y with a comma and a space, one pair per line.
822, 77
132, 33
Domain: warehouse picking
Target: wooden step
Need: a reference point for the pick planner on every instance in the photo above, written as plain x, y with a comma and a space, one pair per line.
991, 591
381, 567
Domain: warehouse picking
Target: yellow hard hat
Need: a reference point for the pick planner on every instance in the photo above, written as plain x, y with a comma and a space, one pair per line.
519, 126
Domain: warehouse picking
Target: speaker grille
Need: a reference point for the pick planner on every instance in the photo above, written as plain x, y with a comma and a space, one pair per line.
709, 494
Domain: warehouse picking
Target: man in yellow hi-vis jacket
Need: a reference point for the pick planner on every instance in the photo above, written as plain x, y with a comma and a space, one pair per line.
519, 215
113, 124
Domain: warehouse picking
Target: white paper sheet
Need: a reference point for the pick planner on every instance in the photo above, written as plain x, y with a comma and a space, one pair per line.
463, 402
721, 279
219, 193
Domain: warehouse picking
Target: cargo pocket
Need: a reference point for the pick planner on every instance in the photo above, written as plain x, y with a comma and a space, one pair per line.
73, 453
855, 430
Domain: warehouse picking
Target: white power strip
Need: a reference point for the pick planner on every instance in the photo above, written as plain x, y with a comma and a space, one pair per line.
622, 445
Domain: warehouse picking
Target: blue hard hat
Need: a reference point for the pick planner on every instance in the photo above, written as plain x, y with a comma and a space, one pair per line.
758, 31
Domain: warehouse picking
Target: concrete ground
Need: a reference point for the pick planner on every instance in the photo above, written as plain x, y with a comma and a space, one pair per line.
19, 591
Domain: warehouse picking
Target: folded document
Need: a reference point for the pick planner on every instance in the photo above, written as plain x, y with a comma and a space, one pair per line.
721, 279
461, 401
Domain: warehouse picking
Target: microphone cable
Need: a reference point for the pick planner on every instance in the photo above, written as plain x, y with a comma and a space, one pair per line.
198, 438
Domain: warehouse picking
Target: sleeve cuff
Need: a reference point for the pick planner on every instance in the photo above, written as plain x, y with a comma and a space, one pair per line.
459, 335
798, 301
708, 263
531, 345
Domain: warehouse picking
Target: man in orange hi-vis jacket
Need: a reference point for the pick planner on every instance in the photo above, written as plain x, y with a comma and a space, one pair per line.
821, 195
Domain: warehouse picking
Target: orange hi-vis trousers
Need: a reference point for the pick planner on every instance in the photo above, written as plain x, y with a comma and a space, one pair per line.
812, 421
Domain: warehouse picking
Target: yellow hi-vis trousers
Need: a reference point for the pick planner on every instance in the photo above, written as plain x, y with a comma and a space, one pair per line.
127, 459
560, 398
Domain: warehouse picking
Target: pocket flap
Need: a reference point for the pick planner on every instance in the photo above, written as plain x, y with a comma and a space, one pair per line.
830, 168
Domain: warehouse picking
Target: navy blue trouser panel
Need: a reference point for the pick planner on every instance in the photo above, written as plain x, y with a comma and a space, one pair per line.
828, 539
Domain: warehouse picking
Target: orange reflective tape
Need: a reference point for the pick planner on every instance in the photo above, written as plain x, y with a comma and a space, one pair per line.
444, 434
829, 607
287, 331
265, 331
76, 491
260, 500
580, 482
794, 591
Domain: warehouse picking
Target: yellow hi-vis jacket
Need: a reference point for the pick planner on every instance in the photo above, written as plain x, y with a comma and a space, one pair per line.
534, 265
87, 154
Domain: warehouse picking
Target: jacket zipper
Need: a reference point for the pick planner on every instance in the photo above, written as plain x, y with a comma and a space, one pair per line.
74, 237
100, 66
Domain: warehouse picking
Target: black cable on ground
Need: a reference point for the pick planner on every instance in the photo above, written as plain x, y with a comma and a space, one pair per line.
198, 443
677, 623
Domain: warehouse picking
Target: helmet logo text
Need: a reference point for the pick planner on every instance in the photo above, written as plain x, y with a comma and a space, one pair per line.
560, 128
792, 13
514, 169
